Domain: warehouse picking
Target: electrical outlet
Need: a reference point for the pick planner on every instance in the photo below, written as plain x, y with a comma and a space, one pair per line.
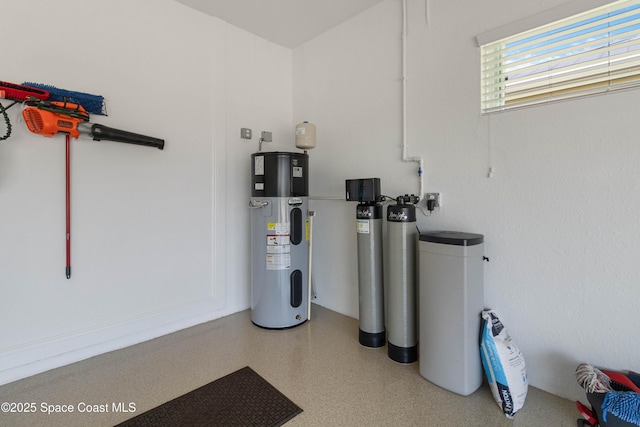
245, 133
436, 197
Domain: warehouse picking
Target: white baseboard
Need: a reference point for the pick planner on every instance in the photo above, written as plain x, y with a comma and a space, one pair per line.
35, 357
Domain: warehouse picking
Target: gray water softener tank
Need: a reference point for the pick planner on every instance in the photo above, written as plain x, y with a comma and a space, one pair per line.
451, 300
279, 239
370, 280
371, 327
400, 282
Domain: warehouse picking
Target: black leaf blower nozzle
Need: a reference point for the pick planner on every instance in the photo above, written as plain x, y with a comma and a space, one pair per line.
99, 132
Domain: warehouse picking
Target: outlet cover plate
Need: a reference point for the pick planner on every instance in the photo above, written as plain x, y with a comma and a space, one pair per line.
245, 133
436, 197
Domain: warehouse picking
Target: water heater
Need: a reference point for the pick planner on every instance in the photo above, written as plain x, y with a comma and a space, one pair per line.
279, 239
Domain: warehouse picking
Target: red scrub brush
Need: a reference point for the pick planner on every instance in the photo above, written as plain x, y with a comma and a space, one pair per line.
16, 93
21, 93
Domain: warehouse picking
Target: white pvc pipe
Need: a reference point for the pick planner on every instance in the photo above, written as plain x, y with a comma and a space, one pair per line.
404, 103
404, 80
311, 214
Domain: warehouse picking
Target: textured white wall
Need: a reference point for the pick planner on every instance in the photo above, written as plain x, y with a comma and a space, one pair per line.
160, 239
559, 216
259, 97
151, 249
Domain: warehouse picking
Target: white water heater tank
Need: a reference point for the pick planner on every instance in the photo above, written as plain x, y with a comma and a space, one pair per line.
306, 136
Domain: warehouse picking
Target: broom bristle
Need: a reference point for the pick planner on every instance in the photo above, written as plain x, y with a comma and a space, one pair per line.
622, 404
592, 379
92, 103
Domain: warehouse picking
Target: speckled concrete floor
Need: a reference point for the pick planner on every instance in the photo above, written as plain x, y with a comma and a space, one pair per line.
319, 365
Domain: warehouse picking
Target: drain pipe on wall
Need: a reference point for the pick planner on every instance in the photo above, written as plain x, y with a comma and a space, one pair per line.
418, 160
309, 287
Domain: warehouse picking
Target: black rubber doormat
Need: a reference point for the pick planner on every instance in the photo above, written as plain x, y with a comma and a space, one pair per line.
242, 398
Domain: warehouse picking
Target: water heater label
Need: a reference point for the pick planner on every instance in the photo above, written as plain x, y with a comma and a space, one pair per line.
363, 226
258, 165
278, 251
301, 130
297, 172
278, 262
279, 228
277, 244
259, 186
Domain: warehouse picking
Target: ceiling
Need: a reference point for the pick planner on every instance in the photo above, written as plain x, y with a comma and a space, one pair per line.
289, 23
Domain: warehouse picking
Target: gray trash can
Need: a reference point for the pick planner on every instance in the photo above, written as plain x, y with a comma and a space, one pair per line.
451, 300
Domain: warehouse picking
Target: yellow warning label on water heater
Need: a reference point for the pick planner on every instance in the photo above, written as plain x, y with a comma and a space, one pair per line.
278, 227
307, 229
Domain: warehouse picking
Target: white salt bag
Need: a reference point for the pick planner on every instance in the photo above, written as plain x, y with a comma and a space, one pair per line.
503, 364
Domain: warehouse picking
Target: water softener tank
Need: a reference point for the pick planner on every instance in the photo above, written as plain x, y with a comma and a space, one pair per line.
370, 279
451, 303
279, 239
400, 284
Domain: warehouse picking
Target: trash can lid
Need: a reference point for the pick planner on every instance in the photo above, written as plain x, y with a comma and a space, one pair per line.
457, 238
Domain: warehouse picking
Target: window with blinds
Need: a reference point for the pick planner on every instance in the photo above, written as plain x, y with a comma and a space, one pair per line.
593, 52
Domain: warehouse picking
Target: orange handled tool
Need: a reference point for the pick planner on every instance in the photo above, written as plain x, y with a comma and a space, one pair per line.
49, 118
49, 123
73, 120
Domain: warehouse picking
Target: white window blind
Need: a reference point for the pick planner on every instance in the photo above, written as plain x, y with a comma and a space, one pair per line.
593, 52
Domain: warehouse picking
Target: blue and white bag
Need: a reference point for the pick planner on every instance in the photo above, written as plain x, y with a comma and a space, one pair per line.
503, 364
